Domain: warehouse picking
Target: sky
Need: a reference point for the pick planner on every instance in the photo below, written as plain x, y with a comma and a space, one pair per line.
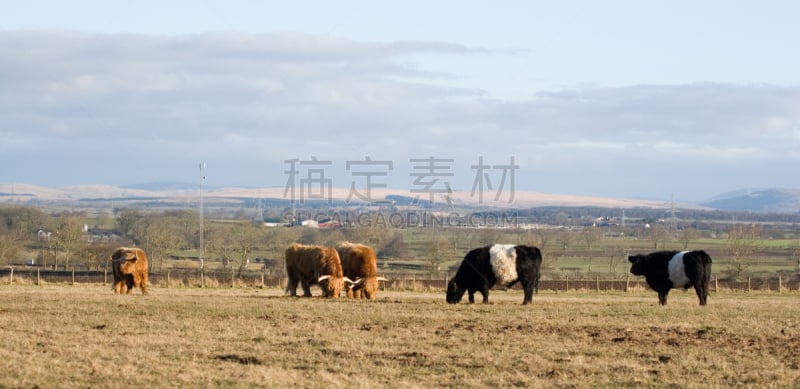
655, 100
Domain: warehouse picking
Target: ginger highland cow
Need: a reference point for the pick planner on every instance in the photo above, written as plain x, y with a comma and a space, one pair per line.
360, 264
129, 265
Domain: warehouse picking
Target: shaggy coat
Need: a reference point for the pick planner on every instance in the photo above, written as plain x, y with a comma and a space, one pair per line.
506, 265
129, 265
665, 270
309, 265
360, 264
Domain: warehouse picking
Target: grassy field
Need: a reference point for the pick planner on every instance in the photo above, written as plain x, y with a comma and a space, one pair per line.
84, 336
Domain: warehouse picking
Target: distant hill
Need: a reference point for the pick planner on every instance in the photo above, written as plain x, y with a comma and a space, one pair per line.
162, 186
758, 200
182, 193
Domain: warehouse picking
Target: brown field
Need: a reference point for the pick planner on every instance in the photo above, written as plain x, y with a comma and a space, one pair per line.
84, 336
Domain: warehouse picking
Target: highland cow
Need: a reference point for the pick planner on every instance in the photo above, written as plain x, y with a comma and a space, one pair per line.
505, 265
665, 270
129, 265
309, 265
360, 264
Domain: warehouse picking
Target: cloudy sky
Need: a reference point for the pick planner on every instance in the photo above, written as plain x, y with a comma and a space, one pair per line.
616, 98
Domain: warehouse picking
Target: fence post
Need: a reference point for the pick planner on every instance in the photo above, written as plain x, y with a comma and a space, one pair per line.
716, 283
748, 284
105, 277
11, 276
262, 278
627, 283
38, 278
566, 287
598, 284
168, 280
232, 275
73, 275
780, 284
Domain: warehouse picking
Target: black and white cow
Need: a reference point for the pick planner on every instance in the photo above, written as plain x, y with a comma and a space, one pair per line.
665, 270
503, 264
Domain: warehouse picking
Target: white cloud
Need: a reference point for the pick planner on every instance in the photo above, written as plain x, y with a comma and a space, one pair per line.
257, 100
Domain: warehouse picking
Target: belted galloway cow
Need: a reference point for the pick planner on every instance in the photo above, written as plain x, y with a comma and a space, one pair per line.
665, 270
502, 264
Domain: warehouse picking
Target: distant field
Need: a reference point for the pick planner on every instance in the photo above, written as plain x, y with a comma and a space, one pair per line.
84, 336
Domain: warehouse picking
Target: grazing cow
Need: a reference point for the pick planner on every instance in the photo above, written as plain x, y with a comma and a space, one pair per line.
129, 265
502, 264
665, 270
309, 265
360, 264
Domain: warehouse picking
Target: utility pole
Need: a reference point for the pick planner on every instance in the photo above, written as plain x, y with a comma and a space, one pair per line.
202, 231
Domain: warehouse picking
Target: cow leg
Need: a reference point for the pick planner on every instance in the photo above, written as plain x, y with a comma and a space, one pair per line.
133, 282
528, 295
702, 293
291, 286
662, 298
485, 294
143, 284
471, 296
306, 288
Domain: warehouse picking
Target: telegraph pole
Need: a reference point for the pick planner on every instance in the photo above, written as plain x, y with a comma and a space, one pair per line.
202, 231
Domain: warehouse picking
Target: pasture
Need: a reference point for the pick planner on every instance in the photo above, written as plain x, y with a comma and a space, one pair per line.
85, 336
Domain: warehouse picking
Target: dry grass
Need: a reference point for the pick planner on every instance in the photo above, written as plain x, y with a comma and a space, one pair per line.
84, 336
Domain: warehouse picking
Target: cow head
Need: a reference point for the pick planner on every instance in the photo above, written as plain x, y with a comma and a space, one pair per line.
454, 292
332, 286
637, 264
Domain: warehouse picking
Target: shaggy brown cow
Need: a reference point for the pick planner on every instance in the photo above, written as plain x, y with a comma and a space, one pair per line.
129, 265
359, 263
309, 265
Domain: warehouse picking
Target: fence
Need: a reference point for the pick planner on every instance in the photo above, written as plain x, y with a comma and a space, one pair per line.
195, 278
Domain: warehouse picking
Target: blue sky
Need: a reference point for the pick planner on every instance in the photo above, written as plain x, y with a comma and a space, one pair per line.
618, 98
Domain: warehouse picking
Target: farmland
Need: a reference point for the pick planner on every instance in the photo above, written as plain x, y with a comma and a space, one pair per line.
79, 336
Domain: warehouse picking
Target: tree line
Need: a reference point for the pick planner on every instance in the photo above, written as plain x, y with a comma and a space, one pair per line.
172, 239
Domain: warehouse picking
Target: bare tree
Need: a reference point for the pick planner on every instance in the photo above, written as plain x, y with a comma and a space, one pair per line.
590, 236
374, 231
438, 249
97, 255
395, 247
796, 257
23, 219
564, 238
743, 242
687, 235
617, 255
658, 235
158, 235
245, 240
219, 243
126, 219
70, 237
10, 244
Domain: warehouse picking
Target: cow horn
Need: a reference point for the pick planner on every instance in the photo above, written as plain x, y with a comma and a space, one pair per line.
322, 278
349, 280
382, 279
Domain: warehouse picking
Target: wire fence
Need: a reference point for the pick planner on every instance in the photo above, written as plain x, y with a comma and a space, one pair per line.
180, 278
